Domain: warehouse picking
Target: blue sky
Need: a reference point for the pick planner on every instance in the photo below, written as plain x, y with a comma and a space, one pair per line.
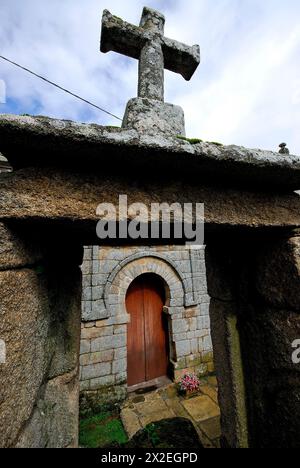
246, 90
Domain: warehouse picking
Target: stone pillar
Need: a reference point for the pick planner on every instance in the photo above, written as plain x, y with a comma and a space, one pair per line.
255, 288
227, 346
40, 294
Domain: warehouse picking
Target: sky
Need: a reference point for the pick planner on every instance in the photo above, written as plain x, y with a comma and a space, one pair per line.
246, 90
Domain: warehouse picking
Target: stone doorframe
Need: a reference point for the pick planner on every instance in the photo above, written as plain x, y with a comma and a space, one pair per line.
129, 270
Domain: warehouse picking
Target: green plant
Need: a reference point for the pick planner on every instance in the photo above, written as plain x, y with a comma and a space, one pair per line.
152, 434
102, 430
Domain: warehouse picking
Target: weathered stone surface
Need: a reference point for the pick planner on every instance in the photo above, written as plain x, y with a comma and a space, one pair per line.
278, 279
40, 324
95, 400
81, 195
130, 422
24, 326
149, 116
65, 309
183, 348
15, 249
211, 428
100, 382
201, 408
40, 141
211, 392
54, 429
94, 371
148, 408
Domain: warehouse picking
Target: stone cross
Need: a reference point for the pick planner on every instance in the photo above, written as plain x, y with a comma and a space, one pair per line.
155, 53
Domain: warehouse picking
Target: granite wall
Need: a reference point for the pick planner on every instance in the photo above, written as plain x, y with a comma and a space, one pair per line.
40, 294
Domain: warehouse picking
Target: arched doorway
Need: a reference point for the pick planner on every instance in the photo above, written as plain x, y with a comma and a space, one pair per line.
147, 335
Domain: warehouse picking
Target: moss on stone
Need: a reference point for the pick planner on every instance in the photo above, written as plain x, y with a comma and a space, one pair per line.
238, 380
192, 141
195, 141
93, 402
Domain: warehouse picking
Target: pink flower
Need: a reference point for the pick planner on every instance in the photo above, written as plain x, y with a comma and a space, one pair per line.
189, 383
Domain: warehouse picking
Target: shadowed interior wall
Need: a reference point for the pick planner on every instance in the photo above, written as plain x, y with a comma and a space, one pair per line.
255, 284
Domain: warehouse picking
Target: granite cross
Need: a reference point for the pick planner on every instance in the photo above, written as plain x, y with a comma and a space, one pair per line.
154, 51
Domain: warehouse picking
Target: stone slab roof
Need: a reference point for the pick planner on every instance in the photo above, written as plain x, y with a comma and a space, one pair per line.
41, 141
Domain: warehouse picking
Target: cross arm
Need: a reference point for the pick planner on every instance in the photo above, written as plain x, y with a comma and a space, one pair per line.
122, 37
180, 58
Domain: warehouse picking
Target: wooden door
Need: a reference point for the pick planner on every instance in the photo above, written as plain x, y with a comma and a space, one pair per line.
147, 342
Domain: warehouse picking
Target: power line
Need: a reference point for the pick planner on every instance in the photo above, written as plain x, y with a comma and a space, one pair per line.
60, 87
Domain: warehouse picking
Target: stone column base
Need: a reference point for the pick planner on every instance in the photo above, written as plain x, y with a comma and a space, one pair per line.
149, 116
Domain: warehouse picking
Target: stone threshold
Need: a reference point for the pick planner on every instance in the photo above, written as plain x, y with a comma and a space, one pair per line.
151, 385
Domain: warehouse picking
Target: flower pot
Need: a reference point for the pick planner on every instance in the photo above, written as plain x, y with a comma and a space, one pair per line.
187, 395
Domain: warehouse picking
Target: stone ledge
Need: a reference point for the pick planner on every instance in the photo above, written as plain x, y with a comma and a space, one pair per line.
40, 141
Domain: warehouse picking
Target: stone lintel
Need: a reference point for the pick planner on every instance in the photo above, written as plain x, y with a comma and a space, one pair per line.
70, 200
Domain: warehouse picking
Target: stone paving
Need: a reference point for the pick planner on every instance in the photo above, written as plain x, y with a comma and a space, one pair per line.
165, 403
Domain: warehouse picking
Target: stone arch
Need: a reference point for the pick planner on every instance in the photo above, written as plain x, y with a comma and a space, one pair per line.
135, 266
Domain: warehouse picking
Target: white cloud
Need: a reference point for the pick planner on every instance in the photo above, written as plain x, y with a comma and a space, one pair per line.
246, 91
